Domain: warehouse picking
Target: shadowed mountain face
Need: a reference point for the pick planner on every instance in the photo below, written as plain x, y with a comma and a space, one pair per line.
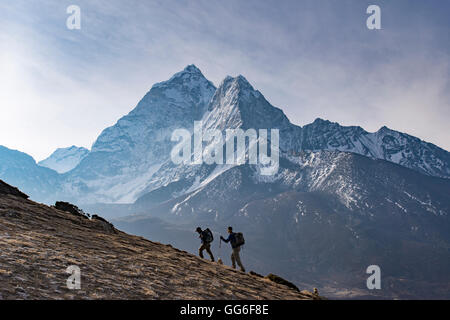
20, 169
38, 243
342, 199
323, 220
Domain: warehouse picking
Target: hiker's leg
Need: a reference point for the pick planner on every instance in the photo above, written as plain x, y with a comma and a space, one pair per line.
238, 259
208, 249
200, 250
233, 260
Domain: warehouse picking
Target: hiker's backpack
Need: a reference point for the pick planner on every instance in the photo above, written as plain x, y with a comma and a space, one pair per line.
239, 239
208, 236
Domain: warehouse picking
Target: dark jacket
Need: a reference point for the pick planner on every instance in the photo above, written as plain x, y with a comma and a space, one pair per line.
231, 238
203, 236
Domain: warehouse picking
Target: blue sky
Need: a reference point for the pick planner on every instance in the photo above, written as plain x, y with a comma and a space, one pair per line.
316, 58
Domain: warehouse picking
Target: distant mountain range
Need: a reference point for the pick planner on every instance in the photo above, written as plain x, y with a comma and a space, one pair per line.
343, 198
64, 159
20, 169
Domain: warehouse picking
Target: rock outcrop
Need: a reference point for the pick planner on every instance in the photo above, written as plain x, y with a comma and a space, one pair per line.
7, 189
68, 207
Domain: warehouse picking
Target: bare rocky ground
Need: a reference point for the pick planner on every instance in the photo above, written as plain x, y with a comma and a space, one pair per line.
38, 243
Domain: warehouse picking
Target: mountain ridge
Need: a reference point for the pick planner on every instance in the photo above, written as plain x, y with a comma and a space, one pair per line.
63, 160
131, 152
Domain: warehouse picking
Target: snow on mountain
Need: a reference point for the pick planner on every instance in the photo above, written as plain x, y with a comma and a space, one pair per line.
125, 156
132, 157
236, 104
64, 159
386, 144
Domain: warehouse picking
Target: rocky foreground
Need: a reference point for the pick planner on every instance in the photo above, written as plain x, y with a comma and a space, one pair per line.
38, 243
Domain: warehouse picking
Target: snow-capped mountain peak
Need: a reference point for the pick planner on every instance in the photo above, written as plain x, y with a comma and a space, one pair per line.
126, 155
190, 76
386, 144
133, 156
238, 86
187, 89
237, 104
65, 159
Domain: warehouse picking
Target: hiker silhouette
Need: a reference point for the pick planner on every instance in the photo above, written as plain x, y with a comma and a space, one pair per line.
206, 238
236, 240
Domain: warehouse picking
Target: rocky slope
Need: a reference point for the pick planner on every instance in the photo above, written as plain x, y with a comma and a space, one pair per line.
38, 243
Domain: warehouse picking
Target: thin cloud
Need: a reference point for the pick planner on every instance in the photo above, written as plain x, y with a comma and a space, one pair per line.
310, 58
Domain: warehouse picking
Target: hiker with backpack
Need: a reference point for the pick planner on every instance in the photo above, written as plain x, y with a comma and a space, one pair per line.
206, 238
236, 240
